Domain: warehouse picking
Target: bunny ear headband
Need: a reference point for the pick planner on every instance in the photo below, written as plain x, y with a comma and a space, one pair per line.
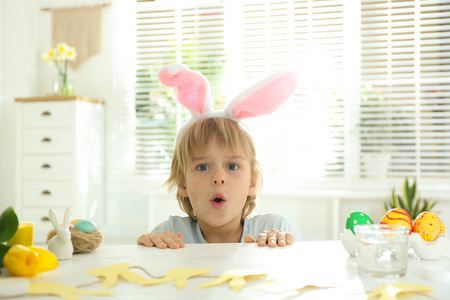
192, 90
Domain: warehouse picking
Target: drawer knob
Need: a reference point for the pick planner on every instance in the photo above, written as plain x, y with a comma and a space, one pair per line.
46, 113
46, 192
46, 166
46, 140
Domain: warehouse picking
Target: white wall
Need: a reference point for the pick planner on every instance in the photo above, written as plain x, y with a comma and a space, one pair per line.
18, 79
25, 34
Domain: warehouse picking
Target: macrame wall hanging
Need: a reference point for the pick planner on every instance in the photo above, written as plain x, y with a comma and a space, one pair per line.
78, 27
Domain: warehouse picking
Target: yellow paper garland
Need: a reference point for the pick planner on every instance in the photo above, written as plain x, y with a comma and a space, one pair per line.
114, 272
61, 290
179, 275
236, 278
390, 291
280, 288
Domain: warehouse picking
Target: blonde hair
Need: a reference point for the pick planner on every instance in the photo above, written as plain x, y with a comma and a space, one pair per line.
231, 137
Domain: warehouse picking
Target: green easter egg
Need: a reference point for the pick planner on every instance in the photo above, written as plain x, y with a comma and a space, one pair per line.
357, 218
86, 226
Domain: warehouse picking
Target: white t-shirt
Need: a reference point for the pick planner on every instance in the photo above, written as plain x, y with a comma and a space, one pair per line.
253, 225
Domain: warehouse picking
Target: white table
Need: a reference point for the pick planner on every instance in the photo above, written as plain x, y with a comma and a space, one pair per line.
305, 262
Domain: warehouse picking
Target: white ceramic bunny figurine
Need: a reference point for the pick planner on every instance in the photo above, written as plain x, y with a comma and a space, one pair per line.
61, 244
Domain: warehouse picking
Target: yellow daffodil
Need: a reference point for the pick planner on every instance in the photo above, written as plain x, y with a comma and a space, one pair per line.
71, 53
28, 261
46, 58
60, 57
51, 53
62, 47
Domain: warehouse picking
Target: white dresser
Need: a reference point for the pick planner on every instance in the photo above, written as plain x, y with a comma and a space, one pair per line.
60, 160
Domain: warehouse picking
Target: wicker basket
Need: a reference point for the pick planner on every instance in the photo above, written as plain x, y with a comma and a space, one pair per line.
82, 242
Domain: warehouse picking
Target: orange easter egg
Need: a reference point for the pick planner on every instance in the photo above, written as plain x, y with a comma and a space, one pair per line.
429, 226
398, 216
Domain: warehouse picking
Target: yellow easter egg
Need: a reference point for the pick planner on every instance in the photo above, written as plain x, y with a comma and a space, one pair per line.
398, 216
429, 226
75, 222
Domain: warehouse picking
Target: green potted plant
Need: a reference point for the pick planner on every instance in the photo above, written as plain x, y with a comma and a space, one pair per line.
409, 200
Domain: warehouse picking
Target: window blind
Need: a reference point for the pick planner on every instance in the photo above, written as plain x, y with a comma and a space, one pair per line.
270, 35
169, 32
402, 126
305, 138
405, 107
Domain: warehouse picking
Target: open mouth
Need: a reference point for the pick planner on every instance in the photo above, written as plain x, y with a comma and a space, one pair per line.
218, 201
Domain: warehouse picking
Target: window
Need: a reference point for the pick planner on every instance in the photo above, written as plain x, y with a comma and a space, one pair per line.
400, 116
168, 33
304, 139
405, 106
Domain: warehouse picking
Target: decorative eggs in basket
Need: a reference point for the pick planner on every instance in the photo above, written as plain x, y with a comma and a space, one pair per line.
427, 232
397, 216
86, 226
348, 239
85, 235
428, 236
357, 218
429, 226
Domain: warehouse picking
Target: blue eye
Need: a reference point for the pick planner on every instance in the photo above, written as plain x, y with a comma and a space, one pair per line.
232, 167
202, 167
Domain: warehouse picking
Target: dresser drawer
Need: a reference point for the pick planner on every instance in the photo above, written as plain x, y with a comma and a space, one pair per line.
46, 114
46, 140
45, 193
46, 167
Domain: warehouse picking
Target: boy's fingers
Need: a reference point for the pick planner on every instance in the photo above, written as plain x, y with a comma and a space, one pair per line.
272, 238
289, 238
140, 240
248, 239
145, 240
171, 242
162, 240
158, 242
262, 238
179, 240
281, 236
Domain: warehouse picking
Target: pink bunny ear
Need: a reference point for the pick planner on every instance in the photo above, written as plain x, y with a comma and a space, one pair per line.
264, 97
191, 87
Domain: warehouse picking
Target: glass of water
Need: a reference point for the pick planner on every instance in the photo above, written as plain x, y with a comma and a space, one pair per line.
382, 250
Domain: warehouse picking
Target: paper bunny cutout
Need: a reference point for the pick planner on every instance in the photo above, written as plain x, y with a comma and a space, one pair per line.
192, 90
61, 244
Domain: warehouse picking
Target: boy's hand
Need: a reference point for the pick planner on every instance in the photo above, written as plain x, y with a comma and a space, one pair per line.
162, 240
272, 238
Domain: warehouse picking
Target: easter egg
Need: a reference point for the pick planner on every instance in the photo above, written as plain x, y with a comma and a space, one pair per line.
398, 216
86, 226
357, 218
429, 226
75, 222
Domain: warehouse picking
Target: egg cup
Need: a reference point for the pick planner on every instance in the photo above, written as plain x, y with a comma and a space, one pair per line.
428, 250
348, 240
